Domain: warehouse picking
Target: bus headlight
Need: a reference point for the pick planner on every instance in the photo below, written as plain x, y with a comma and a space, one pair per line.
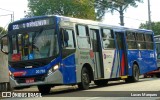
11, 74
54, 68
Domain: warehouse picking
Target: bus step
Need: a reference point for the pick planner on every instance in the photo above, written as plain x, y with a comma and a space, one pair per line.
123, 77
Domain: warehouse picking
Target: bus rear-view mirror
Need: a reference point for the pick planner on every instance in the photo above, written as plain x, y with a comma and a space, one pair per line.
4, 44
64, 37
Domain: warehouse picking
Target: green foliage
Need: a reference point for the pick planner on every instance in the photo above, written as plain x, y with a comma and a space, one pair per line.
71, 8
2, 31
104, 5
154, 25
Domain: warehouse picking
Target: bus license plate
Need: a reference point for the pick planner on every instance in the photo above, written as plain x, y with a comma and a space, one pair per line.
29, 80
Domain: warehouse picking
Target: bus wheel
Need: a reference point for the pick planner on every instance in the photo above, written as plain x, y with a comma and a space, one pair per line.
135, 76
44, 89
85, 80
101, 82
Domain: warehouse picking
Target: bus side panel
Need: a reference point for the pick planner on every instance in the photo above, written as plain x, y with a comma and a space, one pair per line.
150, 61
111, 64
132, 57
84, 57
116, 65
145, 59
69, 69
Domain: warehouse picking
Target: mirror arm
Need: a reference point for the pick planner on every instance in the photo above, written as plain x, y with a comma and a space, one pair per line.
4, 52
3, 45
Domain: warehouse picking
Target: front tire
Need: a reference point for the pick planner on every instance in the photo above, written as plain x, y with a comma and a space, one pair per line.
135, 76
85, 79
44, 89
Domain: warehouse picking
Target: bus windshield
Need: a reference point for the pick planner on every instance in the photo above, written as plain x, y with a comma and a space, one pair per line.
33, 45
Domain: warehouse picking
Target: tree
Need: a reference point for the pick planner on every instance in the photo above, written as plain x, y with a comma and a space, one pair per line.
154, 25
114, 5
2, 31
71, 8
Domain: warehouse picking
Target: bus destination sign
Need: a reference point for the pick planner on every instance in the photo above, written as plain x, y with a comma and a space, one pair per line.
31, 24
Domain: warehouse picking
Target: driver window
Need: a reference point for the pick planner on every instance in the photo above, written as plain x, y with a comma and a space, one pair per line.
67, 38
68, 42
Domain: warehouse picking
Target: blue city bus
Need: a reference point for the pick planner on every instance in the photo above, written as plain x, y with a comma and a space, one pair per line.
46, 51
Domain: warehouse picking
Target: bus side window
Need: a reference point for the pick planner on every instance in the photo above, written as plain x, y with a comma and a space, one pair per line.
107, 38
140, 41
131, 40
149, 41
83, 36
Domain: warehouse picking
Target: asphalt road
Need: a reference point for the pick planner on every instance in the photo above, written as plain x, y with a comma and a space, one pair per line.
145, 89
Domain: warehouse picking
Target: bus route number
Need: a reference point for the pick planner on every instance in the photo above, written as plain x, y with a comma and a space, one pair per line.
40, 71
15, 27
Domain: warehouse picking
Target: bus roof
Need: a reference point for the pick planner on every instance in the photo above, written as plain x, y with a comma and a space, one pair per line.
83, 21
102, 24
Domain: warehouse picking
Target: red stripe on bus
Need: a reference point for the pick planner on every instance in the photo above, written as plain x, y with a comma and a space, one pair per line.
122, 64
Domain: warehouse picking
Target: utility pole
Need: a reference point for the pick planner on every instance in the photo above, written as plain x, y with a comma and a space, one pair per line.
12, 15
149, 16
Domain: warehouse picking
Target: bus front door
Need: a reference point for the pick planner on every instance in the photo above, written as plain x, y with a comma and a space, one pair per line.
122, 52
96, 47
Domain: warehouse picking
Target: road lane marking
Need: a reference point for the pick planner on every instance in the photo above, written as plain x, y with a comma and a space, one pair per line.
93, 98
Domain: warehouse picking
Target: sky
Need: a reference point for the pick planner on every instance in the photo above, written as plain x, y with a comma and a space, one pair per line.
132, 16
16, 6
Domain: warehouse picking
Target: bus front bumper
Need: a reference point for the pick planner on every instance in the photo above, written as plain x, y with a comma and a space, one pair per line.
54, 78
